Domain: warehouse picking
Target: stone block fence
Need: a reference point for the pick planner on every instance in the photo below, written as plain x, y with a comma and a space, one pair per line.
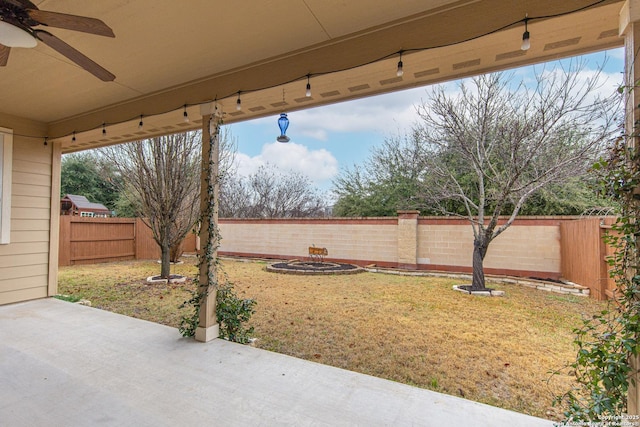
564, 248
529, 248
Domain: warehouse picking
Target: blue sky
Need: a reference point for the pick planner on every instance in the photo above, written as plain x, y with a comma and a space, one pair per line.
329, 138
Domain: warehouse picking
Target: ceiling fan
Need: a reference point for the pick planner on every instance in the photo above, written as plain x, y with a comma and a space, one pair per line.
18, 17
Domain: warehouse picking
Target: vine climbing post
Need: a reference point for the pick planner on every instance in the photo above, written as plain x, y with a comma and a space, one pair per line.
208, 327
630, 30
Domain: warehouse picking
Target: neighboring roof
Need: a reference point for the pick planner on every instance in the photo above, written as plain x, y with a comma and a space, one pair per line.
169, 54
82, 202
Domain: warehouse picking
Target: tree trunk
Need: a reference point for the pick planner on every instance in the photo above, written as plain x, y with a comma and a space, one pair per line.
177, 251
165, 261
480, 245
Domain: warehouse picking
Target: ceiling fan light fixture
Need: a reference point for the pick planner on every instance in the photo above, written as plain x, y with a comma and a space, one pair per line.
12, 36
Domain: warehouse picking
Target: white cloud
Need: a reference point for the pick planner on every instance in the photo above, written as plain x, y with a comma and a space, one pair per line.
384, 115
616, 53
319, 165
247, 165
319, 134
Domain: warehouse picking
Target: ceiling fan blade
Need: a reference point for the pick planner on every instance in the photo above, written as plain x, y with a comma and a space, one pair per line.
71, 22
22, 3
4, 55
74, 55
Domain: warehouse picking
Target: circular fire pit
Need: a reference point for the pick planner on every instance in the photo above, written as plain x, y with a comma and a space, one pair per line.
313, 267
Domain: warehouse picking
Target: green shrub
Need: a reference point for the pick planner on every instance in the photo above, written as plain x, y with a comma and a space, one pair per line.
69, 298
233, 313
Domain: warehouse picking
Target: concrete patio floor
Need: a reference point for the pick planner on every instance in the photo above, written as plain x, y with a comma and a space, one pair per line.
63, 364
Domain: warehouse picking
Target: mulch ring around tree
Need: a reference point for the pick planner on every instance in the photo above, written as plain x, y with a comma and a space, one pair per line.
468, 289
313, 267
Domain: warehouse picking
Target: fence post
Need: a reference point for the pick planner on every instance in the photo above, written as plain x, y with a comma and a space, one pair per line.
136, 242
64, 248
408, 239
604, 267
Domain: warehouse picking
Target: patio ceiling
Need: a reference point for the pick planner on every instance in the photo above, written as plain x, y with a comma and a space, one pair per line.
167, 54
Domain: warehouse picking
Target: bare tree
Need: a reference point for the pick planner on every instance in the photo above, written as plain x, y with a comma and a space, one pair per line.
493, 145
162, 176
235, 197
270, 194
161, 179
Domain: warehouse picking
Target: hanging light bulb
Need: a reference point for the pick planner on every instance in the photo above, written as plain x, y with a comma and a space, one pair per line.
185, 116
238, 103
104, 128
45, 140
400, 71
526, 42
73, 138
141, 124
308, 92
283, 124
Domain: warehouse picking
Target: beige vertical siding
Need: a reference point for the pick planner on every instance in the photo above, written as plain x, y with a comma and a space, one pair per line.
24, 262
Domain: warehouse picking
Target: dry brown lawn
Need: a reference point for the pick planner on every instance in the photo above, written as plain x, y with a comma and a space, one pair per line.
414, 330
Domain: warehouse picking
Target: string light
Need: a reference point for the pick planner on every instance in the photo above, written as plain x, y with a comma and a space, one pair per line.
141, 124
185, 115
526, 43
308, 92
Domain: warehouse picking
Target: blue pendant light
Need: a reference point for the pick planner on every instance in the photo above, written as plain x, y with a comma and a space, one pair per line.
283, 124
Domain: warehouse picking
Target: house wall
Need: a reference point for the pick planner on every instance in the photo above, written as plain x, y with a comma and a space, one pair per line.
25, 268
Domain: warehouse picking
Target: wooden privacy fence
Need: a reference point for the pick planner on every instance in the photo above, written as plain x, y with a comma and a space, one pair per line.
584, 253
95, 240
